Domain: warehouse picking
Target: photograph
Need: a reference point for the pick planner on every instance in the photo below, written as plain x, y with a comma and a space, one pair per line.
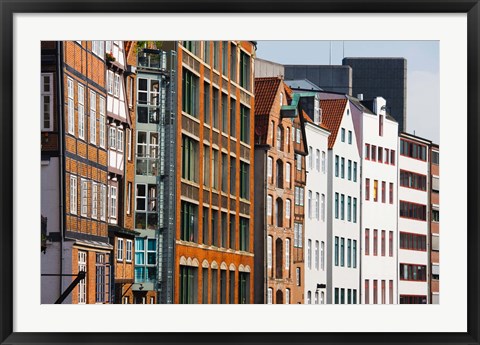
240, 172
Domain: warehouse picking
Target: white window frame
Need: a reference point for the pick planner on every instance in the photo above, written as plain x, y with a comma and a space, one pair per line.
322, 255
309, 204
129, 198
102, 122
129, 144
81, 111
84, 198
287, 254
112, 137
309, 254
116, 85
73, 194
269, 296
82, 285
269, 205
119, 249
269, 251
98, 48
70, 106
323, 207
288, 169
49, 94
288, 209
298, 135
94, 200
287, 296
324, 163
103, 201
129, 251
317, 255
113, 202
299, 161
93, 117
269, 166
310, 158
130, 92
110, 78
317, 206
120, 139
317, 160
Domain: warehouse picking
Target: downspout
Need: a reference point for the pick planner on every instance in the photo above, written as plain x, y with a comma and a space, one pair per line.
62, 167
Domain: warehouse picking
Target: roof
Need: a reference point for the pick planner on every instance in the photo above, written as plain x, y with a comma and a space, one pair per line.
265, 93
302, 84
332, 115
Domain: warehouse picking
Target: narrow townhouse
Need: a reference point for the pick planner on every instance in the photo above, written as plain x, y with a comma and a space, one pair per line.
413, 222
379, 138
343, 229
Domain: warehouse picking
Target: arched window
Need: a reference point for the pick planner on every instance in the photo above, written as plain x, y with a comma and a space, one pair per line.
279, 138
279, 173
279, 297
278, 258
279, 212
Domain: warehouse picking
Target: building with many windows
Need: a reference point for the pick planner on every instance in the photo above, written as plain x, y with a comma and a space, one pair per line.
379, 138
343, 222
434, 276
316, 209
413, 221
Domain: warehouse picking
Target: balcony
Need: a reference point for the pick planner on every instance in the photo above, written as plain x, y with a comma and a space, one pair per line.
152, 59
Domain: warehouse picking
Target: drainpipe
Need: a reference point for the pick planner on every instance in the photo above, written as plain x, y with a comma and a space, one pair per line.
61, 131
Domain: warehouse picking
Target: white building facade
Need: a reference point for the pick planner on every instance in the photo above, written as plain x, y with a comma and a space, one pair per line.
316, 213
379, 206
413, 224
343, 223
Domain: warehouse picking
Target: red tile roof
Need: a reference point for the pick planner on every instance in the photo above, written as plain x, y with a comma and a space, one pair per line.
265, 92
332, 114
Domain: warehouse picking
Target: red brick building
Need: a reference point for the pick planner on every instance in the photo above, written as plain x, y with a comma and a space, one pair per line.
434, 224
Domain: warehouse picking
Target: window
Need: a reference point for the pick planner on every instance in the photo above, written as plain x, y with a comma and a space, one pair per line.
98, 48
233, 62
413, 272
269, 166
146, 216
354, 254
383, 292
309, 297
435, 215
116, 86
412, 180
383, 243
375, 190
322, 255
269, 296
380, 154
130, 92
269, 205
103, 201
128, 257
367, 151
354, 210
323, 162
244, 180
299, 161
310, 158
233, 175
73, 194
81, 111
412, 150
120, 142
336, 165
349, 170
367, 241
375, 242
112, 136
349, 209
435, 183
225, 181
214, 167
244, 234
287, 140
342, 167
93, 118
287, 296
390, 243
337, 296
342, 296
299, 278
214, 222
367, 291
244, 71
336, 205
387, 156
323, 207
317, 160
224, 113
298, 135
287, 209
390, 291
287, 173
349, 296
413, 210
413, 241
317, 206
47, 102
279, 138
350, 137
287, 254
380, 125
188, 221
375, 291
245, 124
342, 251
84, 198
190, 93
391, 193
374, 153
112, 202
435, 157
384, 191
188, 284
129, 144
82, 285
100, 288
406, 299
354, 171
367, 189
392, 157
317, 257
343, 135
342, 206
110, 77
309, 204
298, 236
70, 107
102, 124
244, 288
94, 200
279, 212
309, 254
225, 58
120, 249
349, 253
223, 286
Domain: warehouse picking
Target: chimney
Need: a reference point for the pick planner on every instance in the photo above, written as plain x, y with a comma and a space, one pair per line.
360, 96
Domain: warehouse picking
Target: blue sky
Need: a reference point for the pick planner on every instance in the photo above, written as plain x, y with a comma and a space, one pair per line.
423, 89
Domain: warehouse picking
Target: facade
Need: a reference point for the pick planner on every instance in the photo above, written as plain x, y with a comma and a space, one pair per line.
213, 258
275, 278
413, 222
379, 204
265, 68
434, 276
316, 208
343, 228
384, 77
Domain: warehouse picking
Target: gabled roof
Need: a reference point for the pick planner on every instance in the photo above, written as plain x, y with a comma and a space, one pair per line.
332, 115
265, 92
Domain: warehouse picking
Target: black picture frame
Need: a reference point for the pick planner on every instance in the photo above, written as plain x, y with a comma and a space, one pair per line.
10, 7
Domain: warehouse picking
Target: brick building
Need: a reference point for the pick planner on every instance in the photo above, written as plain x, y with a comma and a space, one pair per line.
434, 224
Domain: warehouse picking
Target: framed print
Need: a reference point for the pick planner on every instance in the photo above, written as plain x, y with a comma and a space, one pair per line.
195, 156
